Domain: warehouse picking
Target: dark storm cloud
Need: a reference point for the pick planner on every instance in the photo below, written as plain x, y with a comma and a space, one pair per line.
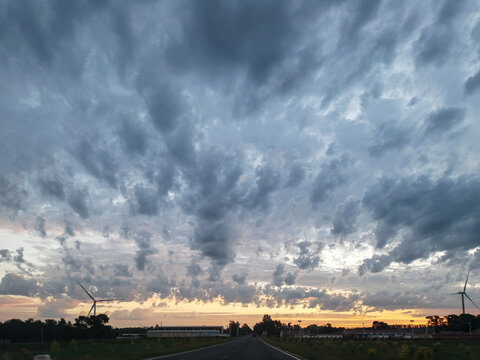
473, 83
444, 119
362, 13
388, 137
311, 298
11, 193
98, 162
194, 269
134, 137
278, 275
145, 201
296, 176
122, 270
345, 216
165, 108
52, 186
239, 278
221, 36
330, 177
5, 255
213, 241
17, 259
143, 239
449, 11
40, 225
307, 258
267, 181
430, 215
161, 285
437, 41
213, 198
433, 46
395, 300
14, 284
77, 200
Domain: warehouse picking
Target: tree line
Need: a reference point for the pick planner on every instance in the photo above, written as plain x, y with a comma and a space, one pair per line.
92, 327
272, 327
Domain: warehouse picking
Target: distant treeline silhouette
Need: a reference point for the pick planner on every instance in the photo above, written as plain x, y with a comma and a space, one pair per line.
95, 327
275, 327
92, 327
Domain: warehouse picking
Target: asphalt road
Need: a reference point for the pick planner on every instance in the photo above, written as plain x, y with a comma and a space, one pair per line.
246, 348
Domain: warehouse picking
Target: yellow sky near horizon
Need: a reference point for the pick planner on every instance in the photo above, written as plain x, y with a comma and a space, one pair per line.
125, 314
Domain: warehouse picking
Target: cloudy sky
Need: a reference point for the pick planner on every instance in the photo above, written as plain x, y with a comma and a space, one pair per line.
216, 160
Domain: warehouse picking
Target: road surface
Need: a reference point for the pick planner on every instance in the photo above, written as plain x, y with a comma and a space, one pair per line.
246, 348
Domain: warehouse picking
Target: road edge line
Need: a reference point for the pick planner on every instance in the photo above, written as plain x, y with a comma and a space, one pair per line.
294, 356
188, 351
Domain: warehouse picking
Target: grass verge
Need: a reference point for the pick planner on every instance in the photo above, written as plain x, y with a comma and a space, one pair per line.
313, 349
133, 349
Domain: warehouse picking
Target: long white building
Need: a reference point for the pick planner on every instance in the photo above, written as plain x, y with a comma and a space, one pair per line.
185, 331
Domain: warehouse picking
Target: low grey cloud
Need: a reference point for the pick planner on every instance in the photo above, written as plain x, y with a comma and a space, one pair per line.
122, 270
330, 176
134, 137
296, 176
14, 284
53, 187
344, 218
307, 258
388, 137
40, 225
430, 215
444, 119
473, 83
78, 201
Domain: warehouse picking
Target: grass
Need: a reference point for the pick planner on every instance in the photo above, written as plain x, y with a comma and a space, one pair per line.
381, 349
133, 349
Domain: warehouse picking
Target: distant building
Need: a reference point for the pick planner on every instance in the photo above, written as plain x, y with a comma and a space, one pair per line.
379, 333
185, 331
324, 336
130, 336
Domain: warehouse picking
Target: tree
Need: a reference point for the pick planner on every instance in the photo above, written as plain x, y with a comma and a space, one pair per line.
269, 326
233, 328
245, 330
380, 325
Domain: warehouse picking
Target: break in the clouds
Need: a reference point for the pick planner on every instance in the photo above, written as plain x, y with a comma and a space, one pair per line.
272, 153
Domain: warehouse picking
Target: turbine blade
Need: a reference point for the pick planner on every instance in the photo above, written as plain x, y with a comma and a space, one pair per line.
457, 293
108, 300
472, 301
91, 309
465, 287
91, 297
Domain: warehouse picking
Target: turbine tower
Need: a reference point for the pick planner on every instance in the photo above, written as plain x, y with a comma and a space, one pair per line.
463, 293
94, 306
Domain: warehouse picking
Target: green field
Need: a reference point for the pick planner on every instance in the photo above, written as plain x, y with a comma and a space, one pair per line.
380, 349
105, 349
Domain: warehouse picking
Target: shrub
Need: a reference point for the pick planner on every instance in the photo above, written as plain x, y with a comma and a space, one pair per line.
55, 347
404, 351
371, 353
423, 353
74, 344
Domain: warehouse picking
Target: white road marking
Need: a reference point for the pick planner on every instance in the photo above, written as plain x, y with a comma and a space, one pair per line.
282, 351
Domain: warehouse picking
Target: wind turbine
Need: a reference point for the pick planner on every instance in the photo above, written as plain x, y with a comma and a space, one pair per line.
463, 293
94, 306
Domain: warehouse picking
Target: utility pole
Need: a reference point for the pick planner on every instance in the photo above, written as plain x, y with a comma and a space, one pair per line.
41, 335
